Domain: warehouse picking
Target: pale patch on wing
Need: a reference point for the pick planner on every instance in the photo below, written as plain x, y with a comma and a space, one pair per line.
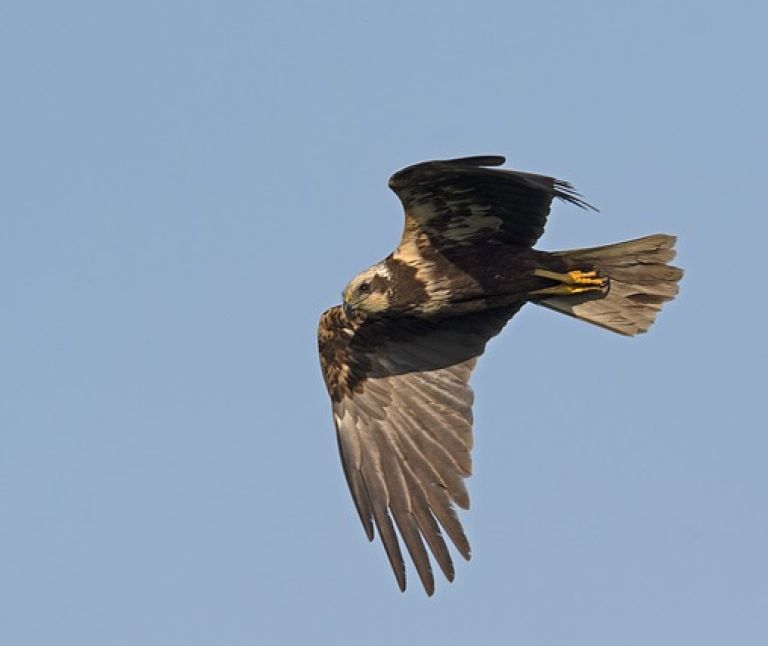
412, 244
460, 221
382, 270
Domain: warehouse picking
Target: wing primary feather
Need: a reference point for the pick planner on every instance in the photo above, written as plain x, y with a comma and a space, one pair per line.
450, 473
428, 525
421, 467
434, 489
391, 546
400, 506
379, 497
454, 397
446, 516
441, 429
566, 192
409, 530
362, 501
350, 463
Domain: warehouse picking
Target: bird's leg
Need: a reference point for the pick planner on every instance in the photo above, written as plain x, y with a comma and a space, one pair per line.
572, 277
572, 282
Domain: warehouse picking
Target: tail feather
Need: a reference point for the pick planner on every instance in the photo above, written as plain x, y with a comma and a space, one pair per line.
640, 282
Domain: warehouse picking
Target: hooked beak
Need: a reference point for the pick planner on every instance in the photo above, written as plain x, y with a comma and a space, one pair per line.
347, 308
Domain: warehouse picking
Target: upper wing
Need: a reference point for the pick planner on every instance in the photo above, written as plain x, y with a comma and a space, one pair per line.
461, 201
402, 407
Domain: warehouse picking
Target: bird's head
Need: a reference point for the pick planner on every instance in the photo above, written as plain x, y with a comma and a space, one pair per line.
368, 292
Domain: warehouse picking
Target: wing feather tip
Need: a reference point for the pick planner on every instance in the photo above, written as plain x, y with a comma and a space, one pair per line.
568, 193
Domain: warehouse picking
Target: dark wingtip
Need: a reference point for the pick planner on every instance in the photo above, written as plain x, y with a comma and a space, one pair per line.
566, 192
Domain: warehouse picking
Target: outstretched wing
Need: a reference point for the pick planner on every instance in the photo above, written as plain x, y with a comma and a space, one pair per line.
402, 406
463, 201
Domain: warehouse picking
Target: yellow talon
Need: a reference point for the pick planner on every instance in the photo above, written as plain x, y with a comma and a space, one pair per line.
574, 282
585, 278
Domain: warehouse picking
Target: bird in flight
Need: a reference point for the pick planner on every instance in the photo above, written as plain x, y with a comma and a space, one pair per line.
397, 355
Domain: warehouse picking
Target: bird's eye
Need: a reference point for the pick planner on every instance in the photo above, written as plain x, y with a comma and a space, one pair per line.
364, 288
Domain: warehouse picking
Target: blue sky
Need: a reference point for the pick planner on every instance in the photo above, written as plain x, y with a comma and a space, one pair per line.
187, 185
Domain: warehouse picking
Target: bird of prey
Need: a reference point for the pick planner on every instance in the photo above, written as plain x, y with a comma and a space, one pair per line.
398, 353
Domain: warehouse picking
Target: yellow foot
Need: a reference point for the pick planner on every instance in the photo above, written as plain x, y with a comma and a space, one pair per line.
587, 278
573, 282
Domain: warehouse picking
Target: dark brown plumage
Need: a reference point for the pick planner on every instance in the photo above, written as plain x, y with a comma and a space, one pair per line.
397, 356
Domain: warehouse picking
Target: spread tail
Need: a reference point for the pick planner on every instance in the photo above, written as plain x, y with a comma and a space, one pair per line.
640, 282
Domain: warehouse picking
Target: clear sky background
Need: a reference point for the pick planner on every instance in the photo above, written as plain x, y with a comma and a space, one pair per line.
187, 185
